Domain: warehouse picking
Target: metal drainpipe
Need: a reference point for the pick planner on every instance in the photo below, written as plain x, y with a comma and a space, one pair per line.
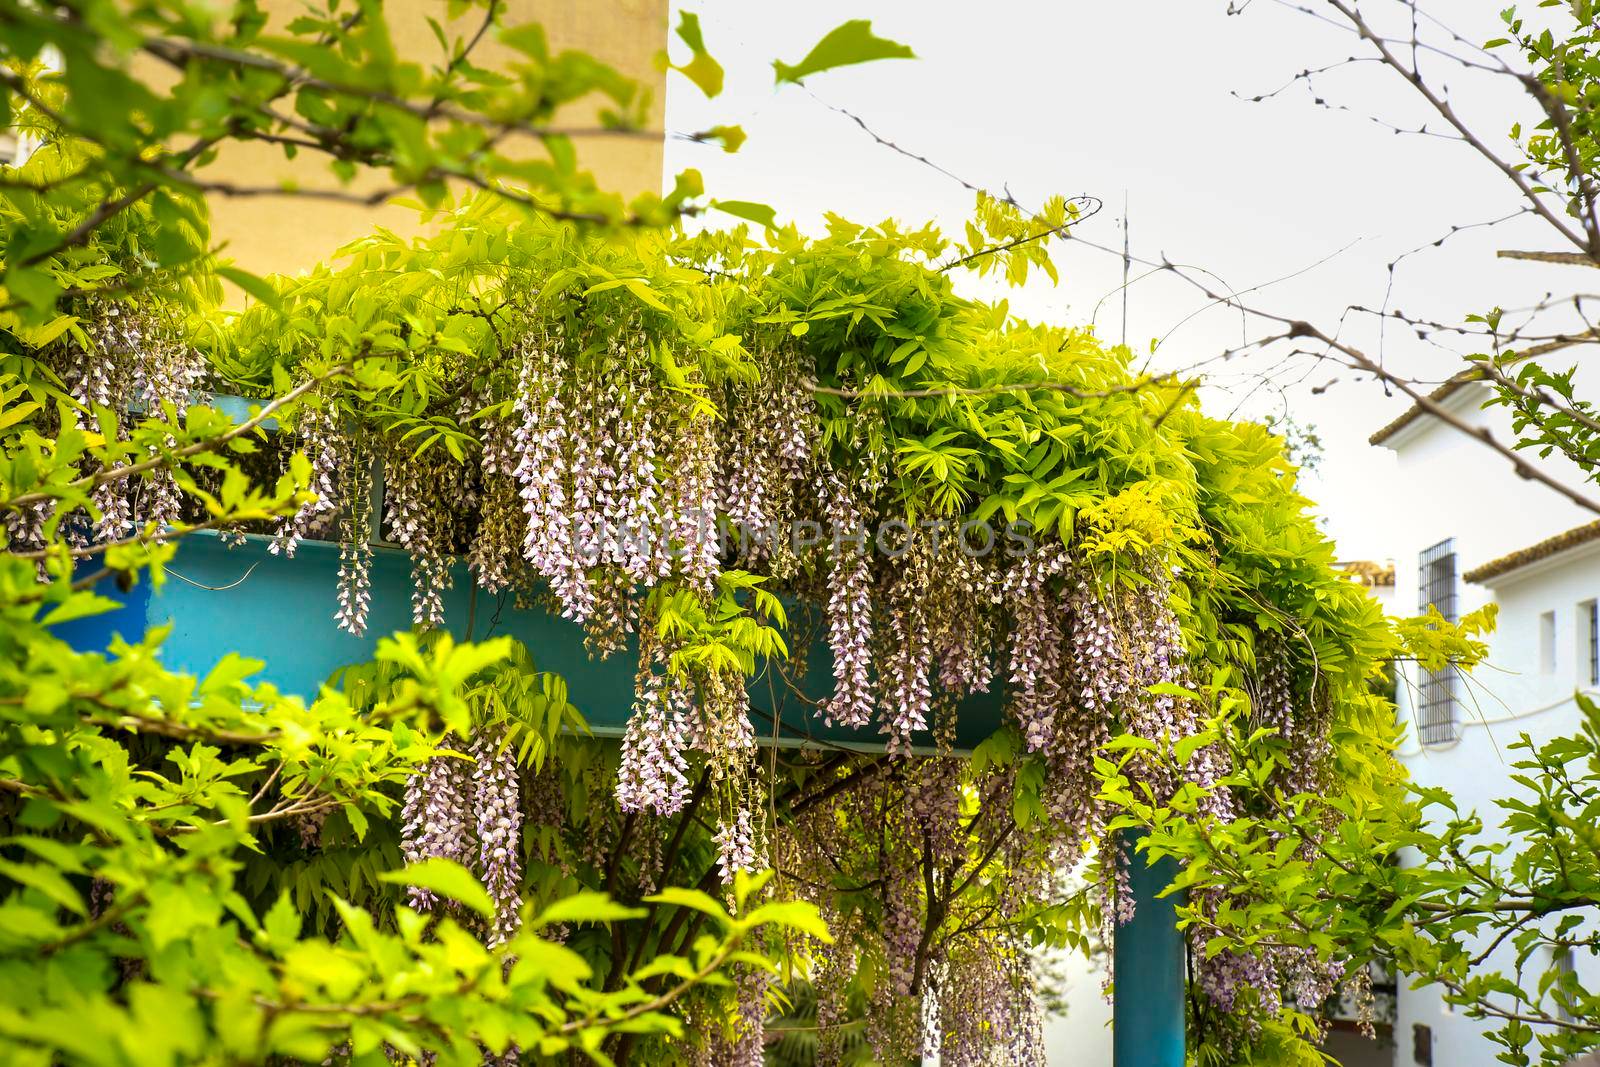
1148, 999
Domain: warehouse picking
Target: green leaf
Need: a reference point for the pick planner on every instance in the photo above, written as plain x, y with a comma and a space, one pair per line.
702, 69
32, 286
253, 284
539, 961
641, 289
849, 43
79, 606
448, 879
229, 674
17, 412
760, 214
40, 336
282, 925
797, 915
176, 910
690, 898
47, 880
587, 907
672, 966
731, 138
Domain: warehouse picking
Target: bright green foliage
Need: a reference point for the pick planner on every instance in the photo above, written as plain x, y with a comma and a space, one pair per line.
1564, 56
963, 412
701, 69
1401, 877
1560, 148
945, 394
117, 78
942, 392
134, 795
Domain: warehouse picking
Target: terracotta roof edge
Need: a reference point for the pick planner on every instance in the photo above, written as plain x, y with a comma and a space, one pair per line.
1522, 557
1417, 411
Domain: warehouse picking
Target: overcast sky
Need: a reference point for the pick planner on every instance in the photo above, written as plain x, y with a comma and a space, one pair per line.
1141, 99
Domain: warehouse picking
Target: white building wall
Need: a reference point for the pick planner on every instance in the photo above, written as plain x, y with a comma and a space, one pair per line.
1511, 695
1449, 486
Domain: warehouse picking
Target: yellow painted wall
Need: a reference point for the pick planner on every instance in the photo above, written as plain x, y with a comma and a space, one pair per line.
285, 235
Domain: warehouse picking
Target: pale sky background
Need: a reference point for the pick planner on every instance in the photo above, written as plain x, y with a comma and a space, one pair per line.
1138, 98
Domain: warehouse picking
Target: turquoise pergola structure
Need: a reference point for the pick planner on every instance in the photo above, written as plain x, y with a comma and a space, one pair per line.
222, 597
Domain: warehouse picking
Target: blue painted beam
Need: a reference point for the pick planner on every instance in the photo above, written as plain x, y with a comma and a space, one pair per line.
220, 599
1148, 998
243, 599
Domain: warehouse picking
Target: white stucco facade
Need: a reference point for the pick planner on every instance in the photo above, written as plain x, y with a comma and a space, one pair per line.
1448, 486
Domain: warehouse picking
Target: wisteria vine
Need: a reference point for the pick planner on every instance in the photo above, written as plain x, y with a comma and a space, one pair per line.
595, 475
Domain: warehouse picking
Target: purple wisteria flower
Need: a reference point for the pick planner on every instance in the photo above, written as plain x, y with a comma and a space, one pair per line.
907, 656
497, 801
736, 845
436, 819
849, 611
1036, 662
750, 1024
653, 775
548, 453
355, 542
412, 492
693, 514
325, 449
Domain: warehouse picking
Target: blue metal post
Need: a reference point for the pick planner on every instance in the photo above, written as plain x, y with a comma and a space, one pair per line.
1148, 1000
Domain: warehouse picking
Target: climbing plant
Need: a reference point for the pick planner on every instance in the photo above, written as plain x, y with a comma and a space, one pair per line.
724, 456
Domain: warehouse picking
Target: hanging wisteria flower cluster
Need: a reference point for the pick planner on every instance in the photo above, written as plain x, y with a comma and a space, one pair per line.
497, 802
1254, 986
437, 818
654, 772
988, 1010
129, 360
470, 811
1300, 720
355, 541
907, 651
600, 484
328, 452
849, 608
949, 979
425, 500
615, 480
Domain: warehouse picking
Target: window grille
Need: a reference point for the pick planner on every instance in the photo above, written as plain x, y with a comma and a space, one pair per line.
1437, 588
1593, 609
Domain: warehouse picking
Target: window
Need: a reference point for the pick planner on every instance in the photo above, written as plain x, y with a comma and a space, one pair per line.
1436, 697
1547, 643
1589, 643
1422, 1045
